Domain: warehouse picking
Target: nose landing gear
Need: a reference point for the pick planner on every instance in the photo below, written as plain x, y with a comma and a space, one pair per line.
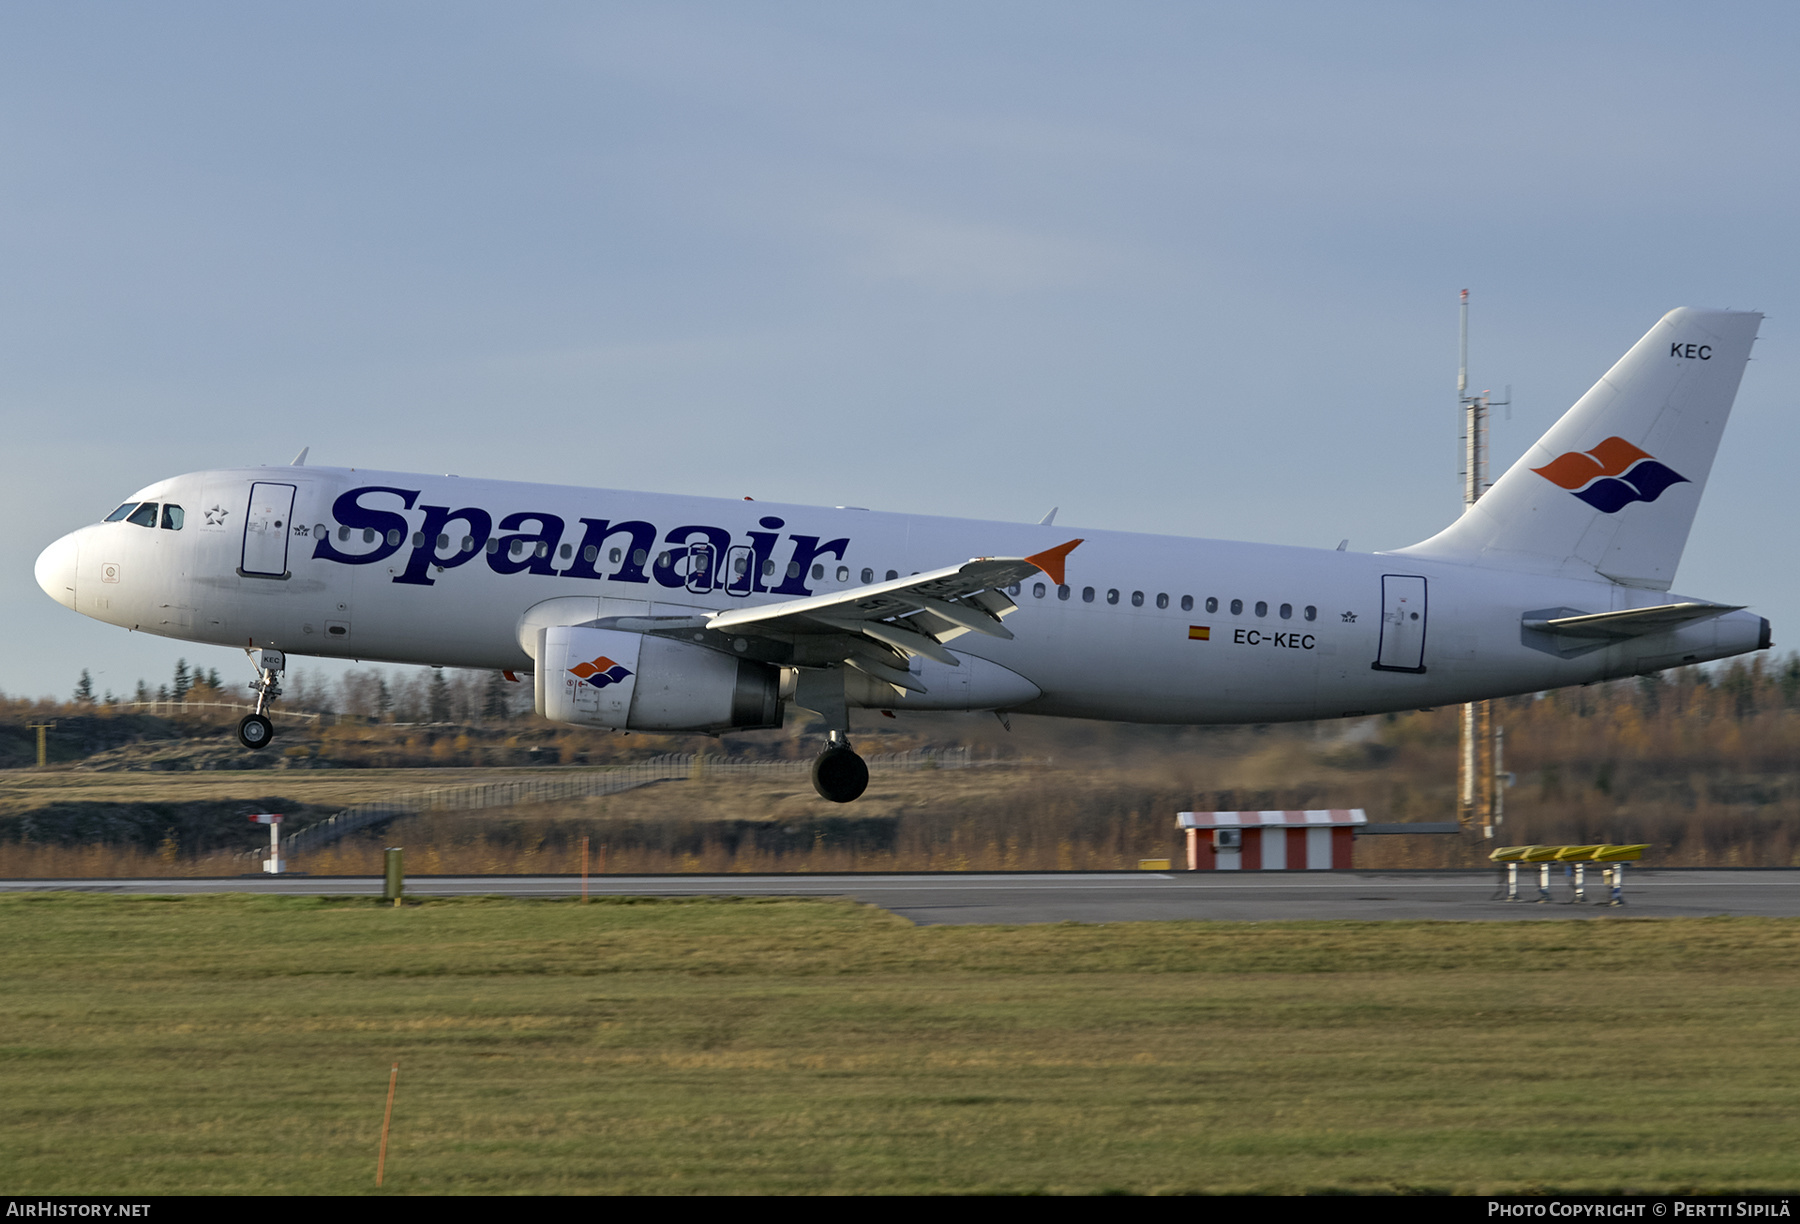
255, 730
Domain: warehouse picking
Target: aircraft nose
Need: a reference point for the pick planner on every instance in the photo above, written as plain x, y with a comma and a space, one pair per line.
55, 570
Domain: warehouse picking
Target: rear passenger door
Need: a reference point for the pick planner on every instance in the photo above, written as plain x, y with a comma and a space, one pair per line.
1402, 624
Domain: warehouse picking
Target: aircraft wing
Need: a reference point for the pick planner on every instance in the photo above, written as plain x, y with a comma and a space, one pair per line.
1633, 622
907, 616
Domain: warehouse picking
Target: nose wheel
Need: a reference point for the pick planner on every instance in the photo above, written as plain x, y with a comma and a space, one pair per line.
839, 775
255, 731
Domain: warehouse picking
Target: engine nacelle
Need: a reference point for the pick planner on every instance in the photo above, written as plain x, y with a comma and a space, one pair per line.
632, 681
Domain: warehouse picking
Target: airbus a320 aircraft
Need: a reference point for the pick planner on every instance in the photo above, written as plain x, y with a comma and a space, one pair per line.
686, 614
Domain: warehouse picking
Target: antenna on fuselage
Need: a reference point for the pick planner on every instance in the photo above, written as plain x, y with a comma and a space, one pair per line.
300, 459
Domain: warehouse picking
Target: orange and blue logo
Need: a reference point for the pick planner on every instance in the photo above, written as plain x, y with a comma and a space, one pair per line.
1611, 476
601, 672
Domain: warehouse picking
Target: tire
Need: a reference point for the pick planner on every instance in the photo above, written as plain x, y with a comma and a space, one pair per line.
839, 775
255, 732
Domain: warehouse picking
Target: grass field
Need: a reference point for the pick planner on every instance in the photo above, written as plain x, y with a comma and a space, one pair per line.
234, 1044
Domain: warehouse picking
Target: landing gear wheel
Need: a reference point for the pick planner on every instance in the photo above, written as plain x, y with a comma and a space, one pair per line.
256, 732
840, 775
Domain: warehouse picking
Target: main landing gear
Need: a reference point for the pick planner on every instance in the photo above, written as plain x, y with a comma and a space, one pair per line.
255, 730
839, 775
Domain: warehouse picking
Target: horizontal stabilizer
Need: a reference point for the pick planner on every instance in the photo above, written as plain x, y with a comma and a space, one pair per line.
1632, 622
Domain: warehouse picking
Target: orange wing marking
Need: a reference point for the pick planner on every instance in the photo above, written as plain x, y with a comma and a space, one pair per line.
1051, 560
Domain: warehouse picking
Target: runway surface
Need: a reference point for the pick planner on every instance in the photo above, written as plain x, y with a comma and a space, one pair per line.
1012, 898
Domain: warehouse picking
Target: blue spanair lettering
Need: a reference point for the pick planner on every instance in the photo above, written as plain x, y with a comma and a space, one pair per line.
349, 512
762, 549
669, 569
643, 539
425, 554
508, 560
807, 549
666, 565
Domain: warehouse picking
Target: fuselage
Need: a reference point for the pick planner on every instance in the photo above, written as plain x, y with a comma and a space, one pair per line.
439, 570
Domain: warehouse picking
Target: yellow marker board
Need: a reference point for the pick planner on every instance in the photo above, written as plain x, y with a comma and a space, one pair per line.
1569, 854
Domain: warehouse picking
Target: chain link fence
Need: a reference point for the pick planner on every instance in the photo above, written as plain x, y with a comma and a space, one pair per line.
560, 787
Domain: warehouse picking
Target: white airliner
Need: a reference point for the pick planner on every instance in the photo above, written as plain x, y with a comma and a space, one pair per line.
671, 613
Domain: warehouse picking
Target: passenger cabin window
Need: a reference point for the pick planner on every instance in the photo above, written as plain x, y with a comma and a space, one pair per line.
1037, 590
1062, 592
1237, 607
1162, 601
1311, 612
1187, 603
868, 575
1212, 604
1287, 611
892, 574
121, 512
566, 551
1112, 596
1013, 589
843, 573
144, 515
1137, 599
172, 517
1262, 608
1087, 594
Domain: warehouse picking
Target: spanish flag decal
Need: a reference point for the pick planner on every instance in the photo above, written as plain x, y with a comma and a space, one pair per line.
1200, 633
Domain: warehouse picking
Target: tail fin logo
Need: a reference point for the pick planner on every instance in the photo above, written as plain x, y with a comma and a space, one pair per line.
1611, 476
601, 672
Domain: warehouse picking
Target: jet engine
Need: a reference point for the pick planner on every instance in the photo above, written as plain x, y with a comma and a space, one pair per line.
633, 681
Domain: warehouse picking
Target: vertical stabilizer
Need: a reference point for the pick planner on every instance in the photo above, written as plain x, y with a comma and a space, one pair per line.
1612, 488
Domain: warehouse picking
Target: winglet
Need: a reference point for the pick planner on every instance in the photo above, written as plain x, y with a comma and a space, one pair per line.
1051, 560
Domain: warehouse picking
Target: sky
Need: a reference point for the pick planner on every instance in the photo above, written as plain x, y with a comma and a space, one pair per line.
1180, 268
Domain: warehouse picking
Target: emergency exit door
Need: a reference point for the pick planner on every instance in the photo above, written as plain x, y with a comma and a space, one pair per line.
1402, 624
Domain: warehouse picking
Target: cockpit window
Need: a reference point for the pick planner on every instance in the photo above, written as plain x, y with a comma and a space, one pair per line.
144, 515
121, 512
172, 517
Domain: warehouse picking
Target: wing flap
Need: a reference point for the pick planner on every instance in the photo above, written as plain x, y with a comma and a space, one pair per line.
915, 614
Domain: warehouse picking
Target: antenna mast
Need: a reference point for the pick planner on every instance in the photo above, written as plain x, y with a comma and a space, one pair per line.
1478, 763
